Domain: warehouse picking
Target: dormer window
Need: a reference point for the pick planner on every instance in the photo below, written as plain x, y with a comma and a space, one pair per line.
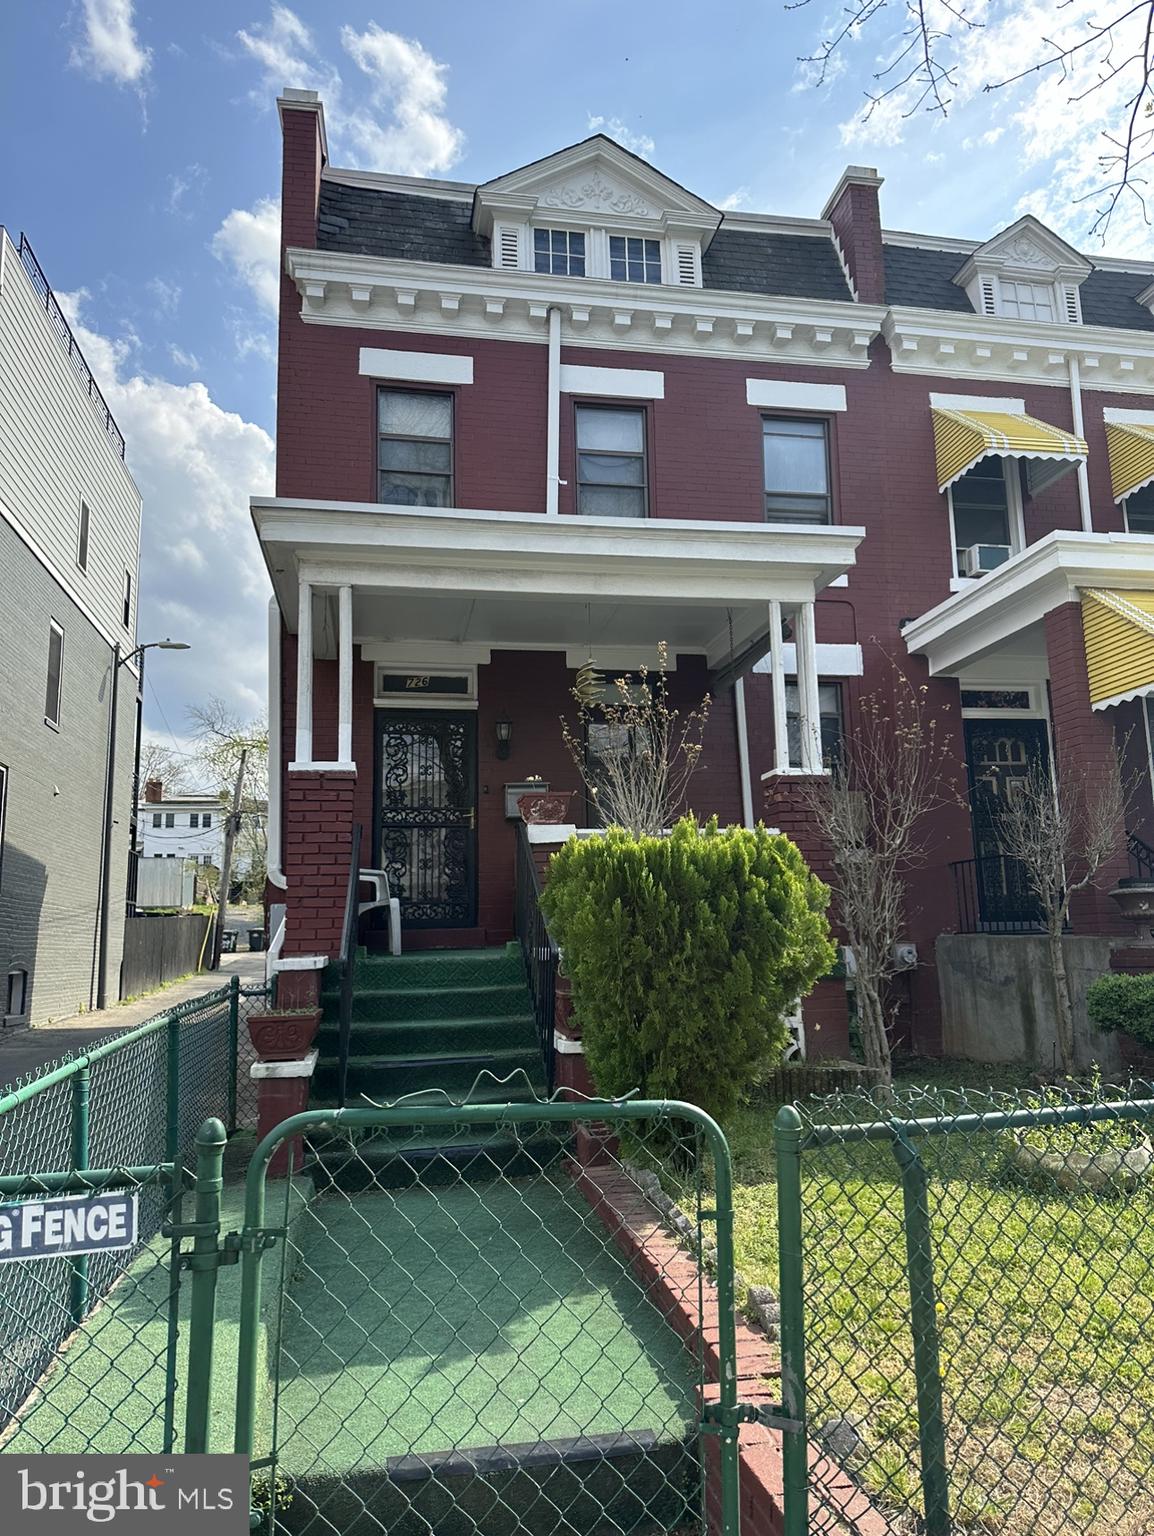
559, 251
1025, 273
634, 260
1027, 301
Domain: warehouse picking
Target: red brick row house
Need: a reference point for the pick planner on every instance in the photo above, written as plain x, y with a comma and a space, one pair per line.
575, 411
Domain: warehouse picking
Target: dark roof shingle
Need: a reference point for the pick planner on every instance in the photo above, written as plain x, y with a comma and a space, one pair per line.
920, 278
785, 266
371, 221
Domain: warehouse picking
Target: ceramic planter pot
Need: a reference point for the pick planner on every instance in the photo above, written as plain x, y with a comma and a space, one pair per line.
284, 1035
1113, 1170
545, 808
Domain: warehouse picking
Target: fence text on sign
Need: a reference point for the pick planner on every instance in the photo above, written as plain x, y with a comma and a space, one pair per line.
967, 1300
70, 1225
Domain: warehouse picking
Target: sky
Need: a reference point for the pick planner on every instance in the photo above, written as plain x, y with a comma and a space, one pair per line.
144, 166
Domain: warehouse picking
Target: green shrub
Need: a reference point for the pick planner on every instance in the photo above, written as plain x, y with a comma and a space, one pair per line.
1120, 1002
684, 953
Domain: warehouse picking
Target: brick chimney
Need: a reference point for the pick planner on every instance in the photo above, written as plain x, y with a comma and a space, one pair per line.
154, 791
302, 117
855, 213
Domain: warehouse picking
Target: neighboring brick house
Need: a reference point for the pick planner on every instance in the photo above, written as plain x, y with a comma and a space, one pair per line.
69, 553
576, 411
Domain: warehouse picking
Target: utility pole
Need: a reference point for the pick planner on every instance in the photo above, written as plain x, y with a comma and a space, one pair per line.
231, 827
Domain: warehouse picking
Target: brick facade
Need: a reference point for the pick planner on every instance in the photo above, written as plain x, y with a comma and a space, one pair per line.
704, 453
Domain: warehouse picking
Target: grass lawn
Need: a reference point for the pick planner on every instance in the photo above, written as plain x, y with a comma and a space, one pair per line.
1046, 1306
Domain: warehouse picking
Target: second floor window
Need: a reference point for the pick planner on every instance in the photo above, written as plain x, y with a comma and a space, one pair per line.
82, 537
634, 260
170, 819
415, 448
206, 819
55, 674
611, 478
194, 819
796, 458
1140, 511
984, 516
559, 251
156, 818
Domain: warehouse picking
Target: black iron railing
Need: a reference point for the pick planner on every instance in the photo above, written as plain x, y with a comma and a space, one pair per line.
348, 962
1141, 857
994, 896
59, 323
538, 950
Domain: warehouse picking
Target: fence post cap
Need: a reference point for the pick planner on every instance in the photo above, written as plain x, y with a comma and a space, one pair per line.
211, 1133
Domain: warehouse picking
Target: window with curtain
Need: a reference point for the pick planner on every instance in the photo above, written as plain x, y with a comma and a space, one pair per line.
611, 471
796, 461
415, 448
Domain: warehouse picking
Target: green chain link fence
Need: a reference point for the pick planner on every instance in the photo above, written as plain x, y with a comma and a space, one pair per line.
453, 1325
90, 1347
967, 1303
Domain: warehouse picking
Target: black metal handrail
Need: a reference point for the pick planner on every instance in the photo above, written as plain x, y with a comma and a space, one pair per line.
538, 950
994, 895
348, 963
1141, 856
59, 322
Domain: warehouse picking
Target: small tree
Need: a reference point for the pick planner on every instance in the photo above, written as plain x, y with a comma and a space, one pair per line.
634, 752
685, 953
1061, 836
221, 736
871, 813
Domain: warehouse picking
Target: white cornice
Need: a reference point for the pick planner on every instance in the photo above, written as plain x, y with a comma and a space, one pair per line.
929, 341
373, 293
964, 628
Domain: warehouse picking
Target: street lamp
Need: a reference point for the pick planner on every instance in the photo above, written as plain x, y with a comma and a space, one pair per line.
118, 660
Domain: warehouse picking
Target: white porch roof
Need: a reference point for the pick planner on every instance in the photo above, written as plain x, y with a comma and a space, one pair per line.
527, 580
997, 612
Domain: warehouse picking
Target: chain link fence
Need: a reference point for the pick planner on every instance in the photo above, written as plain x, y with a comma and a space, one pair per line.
975, 1277
250, 1000
481, 1325
90, 1348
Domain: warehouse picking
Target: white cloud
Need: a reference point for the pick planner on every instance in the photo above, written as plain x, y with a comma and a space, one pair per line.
409, 85
640, 143
183, 359
401, 125
248, 241
202, 576
165, 296
182, 185
108, 47
738, 198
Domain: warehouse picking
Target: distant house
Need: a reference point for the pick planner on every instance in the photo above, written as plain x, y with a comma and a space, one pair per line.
191, 827
69, 554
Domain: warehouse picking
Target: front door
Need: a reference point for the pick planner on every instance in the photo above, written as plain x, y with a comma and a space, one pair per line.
427, 833
999, 755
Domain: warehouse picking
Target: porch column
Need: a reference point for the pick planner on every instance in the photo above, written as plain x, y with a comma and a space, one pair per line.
345, 676
304, 743
777, 684
809, 708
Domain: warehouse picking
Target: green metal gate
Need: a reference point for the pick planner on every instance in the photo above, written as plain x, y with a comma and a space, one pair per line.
472, 1318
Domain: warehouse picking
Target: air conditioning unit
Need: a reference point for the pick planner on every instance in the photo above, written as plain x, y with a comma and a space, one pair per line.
905, 956
979, 559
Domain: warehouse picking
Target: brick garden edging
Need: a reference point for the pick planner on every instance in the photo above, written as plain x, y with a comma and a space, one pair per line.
687, 1301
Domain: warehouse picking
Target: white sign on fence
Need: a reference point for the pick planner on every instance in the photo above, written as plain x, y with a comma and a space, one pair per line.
67, 1225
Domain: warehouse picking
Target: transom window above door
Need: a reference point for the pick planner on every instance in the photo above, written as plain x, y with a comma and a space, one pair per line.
634, 260
560, 251
611, 477
796, 458
415, 448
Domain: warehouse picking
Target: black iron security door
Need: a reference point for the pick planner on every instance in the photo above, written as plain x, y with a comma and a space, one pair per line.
427, 777
1000, 755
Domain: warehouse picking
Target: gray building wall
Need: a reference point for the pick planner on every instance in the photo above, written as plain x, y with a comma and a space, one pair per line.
50, 862
997, 993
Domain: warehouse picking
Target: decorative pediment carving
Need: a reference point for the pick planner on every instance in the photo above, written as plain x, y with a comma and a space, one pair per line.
594, 192
1029, 248
1024, 252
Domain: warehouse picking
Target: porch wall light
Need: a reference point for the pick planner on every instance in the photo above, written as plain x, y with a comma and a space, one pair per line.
504, 732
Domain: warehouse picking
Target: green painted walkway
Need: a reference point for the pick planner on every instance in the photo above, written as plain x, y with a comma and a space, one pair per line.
498, 1314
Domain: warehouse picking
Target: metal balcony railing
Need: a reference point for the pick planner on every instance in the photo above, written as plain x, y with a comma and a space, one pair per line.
994, 896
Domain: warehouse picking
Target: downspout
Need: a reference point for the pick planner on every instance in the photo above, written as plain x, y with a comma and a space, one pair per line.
743, 752
275, 751
553, 420
1080, 430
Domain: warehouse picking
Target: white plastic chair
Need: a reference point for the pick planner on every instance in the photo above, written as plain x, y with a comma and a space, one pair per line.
379, 881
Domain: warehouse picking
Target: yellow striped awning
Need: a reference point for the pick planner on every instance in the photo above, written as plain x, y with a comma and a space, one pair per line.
1119, 633
963, 438
1131, 449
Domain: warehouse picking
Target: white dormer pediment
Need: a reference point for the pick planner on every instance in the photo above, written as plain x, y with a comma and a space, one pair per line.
596, 181
1026, 271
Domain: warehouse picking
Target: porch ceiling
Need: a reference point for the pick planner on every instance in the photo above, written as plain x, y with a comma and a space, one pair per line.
999, 608
528, 581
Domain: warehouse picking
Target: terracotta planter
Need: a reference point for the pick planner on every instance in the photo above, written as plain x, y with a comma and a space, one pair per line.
545, 808
285, 1035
